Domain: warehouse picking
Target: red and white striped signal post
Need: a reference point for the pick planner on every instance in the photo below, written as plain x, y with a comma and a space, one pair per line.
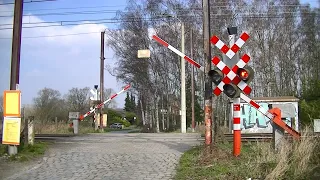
230, 79
233, 81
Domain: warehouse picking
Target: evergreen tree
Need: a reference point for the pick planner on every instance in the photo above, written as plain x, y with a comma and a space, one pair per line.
133, 102
127, 104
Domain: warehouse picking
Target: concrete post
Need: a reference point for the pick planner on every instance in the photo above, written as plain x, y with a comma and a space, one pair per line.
75, 126
31, 131
56, 123
278, 134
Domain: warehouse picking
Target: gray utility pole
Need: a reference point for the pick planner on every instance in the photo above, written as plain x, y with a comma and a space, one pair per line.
208, 82
183, 85
101, 79
192, 81
15, 54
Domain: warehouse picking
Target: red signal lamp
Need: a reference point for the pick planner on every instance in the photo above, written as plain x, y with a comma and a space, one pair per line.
246, 74
243, 74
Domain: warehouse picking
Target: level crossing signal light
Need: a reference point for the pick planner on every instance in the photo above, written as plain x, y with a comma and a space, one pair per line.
216, 75
245, 74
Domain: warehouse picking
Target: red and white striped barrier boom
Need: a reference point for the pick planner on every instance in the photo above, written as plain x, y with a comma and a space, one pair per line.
256, 106
101, 104
164, 43
272, 117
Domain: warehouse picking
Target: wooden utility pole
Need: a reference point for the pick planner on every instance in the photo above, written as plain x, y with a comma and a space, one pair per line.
208, 82
15, 54
102, 79
16, 45
192, 81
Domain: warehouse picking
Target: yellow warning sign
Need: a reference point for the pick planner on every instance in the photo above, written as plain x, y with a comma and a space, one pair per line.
11, 130
12, 103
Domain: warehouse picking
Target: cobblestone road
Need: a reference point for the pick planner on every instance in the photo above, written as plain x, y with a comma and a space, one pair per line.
112, 156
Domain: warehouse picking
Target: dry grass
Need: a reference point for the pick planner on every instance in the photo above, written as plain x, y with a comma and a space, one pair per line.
293, 160
61, 128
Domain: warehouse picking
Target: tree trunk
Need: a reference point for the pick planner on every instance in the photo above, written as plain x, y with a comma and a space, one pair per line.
157, 115
142, 113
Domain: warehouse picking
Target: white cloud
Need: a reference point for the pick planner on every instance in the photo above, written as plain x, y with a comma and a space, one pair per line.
56, 62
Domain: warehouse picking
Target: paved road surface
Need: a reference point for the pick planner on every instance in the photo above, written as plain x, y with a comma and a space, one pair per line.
112, 156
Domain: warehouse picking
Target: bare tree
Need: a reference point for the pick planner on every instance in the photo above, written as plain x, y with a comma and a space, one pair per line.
77, 99
107, 93
48, 105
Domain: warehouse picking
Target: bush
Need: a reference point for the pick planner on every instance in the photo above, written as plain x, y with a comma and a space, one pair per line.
113, 116
122, 121
130, 117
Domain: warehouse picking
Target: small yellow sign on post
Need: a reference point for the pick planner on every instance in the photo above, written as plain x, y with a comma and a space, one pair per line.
12, 103
144, 53
11, 130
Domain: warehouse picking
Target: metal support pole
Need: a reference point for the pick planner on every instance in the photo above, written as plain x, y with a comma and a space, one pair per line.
208, 82
192, 82
101, 79
183, 85
15, 55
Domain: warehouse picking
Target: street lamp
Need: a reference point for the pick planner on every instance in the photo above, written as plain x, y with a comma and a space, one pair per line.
183, 79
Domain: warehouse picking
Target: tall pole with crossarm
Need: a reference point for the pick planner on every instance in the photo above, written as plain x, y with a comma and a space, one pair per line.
101, 78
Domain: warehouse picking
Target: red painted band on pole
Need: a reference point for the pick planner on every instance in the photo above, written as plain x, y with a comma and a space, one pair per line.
236, 107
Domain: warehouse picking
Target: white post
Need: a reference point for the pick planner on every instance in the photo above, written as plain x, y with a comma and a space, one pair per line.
183, 85
75, 126
30, 132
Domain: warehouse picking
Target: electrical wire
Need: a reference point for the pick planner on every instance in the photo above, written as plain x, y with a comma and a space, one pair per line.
57, 35
249, 15
67, 13
94, 7
32, 1
139, 20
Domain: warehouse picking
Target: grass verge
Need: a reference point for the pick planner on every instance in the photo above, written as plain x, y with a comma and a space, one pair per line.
294, 160
25, 153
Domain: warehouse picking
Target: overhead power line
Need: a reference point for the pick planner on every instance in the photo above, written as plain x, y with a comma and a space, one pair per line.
63, 22
57, 35
114, 21
70, 8
86, 33
67, 13
32, 1
199, 8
